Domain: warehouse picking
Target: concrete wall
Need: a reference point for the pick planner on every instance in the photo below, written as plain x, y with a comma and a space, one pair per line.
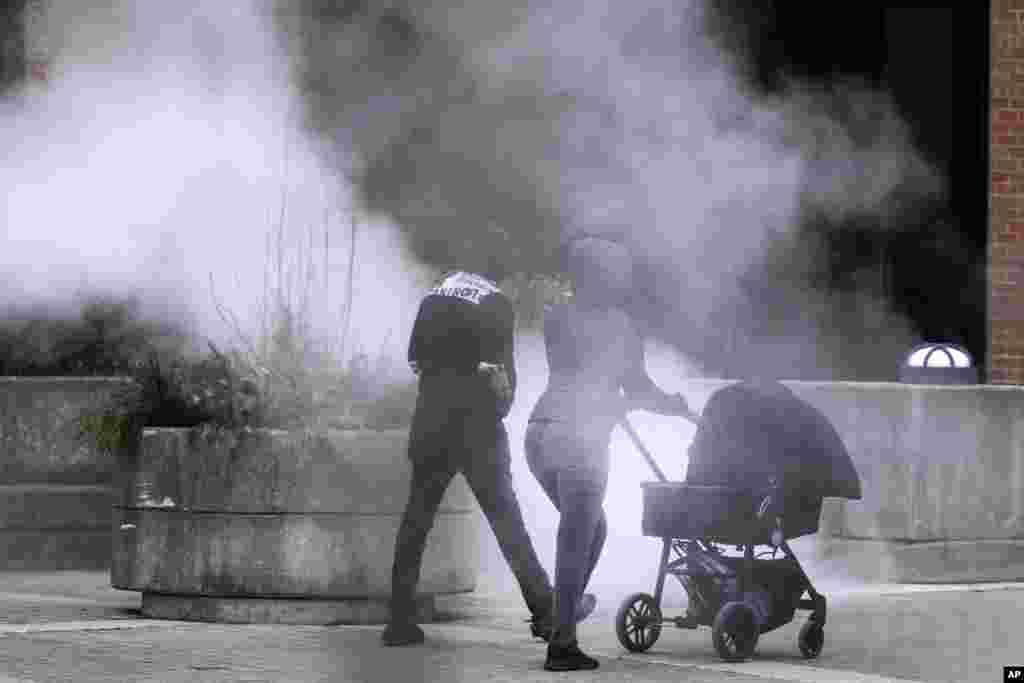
942, 470
56, 494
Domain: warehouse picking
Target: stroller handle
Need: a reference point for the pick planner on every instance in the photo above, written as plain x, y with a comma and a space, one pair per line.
635, 438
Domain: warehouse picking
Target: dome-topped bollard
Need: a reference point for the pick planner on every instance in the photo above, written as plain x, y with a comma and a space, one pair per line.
279, 527
938, 363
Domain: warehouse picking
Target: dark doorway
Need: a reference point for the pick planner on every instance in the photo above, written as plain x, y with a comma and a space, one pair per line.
934, 62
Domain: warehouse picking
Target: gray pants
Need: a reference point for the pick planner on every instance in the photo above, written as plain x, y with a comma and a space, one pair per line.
448, 437
572, 468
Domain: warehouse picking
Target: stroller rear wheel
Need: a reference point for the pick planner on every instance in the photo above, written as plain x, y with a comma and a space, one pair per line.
638, 622
811, 639
735, 632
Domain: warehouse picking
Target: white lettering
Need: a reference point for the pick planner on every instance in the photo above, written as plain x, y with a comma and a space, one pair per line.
466, 286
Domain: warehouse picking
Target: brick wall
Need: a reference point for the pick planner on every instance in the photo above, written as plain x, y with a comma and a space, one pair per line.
1006, 213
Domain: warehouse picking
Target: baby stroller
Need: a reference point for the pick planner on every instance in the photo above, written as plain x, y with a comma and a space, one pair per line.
759, 466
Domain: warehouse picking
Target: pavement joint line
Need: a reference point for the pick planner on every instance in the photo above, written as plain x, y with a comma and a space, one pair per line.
94, 625
947, 587
15, 596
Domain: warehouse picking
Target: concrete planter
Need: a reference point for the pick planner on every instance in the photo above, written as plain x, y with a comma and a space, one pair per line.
269, 526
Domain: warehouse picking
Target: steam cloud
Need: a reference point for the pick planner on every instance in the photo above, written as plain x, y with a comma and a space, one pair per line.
164, 159
499, 128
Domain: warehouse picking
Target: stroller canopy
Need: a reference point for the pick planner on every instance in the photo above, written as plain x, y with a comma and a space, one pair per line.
754, 431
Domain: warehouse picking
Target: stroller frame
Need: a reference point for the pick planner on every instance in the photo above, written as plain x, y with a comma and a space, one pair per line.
722, 590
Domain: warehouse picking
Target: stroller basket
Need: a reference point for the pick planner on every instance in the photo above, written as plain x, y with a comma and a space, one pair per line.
720, 514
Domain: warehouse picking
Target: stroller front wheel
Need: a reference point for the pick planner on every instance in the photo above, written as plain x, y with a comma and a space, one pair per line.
638, 622
735, 632
811, 639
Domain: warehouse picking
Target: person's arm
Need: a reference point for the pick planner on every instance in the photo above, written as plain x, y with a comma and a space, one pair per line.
416, 342
507, 352
499, 352
641, 391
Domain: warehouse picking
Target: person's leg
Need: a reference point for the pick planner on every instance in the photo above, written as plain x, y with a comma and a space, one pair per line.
581, 497
432, 471
547, 448
539, 458
489, 474
428, 485
596, 546
572, 477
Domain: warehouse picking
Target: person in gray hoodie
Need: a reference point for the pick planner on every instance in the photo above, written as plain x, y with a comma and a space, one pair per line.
596, 374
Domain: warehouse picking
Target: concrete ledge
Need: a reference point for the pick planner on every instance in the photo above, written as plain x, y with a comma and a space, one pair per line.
266, 610
56, 506
937, 463
886, 561
55, 526
942, 471
55, 549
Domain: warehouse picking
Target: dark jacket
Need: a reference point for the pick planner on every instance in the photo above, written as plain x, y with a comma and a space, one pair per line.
463, 321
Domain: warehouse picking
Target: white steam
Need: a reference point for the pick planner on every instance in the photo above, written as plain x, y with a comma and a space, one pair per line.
164, 159
653, 129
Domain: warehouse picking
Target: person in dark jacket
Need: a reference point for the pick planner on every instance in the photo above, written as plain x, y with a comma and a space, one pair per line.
462, 348
594, 353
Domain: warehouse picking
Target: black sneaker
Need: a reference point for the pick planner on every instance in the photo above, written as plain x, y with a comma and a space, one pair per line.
541, 627
568, 658
402, 633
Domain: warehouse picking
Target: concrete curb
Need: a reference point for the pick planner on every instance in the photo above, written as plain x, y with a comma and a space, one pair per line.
938, 562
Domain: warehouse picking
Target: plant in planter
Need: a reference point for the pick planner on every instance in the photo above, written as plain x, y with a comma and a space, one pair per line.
285, 386
225, 392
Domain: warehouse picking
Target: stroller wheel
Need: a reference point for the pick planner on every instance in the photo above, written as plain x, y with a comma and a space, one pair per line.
735, 632
811, 639
638, 622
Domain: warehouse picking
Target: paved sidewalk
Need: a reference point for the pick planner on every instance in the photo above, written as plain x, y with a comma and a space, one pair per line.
72, 626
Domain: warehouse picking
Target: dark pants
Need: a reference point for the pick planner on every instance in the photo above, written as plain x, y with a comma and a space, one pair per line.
450, 434
573, 470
